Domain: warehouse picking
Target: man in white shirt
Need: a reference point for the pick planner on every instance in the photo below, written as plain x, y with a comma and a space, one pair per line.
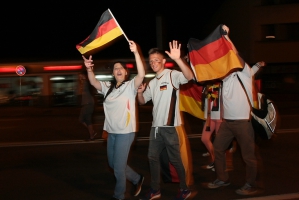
163, 90
236, 124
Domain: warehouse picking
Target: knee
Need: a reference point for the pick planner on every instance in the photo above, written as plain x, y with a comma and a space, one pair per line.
205, 139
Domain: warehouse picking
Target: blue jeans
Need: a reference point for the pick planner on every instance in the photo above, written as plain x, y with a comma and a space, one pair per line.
160, 138
118, 148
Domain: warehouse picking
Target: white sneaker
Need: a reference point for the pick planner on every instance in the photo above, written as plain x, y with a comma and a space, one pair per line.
206, 154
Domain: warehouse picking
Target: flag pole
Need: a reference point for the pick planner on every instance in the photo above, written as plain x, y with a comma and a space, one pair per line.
118, 25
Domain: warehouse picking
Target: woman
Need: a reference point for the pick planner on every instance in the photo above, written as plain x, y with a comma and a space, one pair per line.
120, 119
213, 118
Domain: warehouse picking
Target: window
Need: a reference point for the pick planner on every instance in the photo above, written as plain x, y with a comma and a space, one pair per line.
280, 32
277, 2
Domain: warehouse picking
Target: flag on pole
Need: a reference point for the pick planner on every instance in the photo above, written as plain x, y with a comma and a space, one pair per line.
213, 57
106, 30
190, 99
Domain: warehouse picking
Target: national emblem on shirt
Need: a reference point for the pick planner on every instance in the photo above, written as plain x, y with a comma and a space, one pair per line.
163, 87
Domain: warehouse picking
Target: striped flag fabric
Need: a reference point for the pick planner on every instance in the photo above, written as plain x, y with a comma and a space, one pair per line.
169, 173
190, 99
106, 30
213, 57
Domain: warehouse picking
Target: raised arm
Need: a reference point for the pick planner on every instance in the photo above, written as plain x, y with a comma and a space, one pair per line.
226, 29
89, 67
256, 67
140, 67
175, 54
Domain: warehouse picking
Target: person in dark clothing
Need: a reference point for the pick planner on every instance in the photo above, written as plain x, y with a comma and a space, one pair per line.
87, 103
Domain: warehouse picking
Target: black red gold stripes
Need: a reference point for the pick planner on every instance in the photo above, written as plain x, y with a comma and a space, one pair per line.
105, 31
213, 57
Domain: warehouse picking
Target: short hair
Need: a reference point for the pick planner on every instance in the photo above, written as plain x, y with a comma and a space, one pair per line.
157, 51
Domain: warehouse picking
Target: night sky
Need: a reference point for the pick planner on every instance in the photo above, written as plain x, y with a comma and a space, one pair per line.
45, 31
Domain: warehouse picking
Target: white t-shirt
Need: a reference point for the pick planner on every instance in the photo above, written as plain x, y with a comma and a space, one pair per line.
163, 90
119, 107
235, 103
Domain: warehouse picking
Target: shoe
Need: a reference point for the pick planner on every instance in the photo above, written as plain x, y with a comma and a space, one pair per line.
210, 166
247, 189
217, 183
94, 134
152, 194
138, 186
206, 154
183, 194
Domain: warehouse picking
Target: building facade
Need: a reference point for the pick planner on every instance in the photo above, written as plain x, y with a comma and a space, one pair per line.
266, 30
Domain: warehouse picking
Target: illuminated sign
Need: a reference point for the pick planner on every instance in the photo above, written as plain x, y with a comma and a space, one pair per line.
20, 70
130, 65
169, 65
7, 69
59, 68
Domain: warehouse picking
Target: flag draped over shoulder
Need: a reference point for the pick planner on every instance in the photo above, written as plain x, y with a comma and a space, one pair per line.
213, 57
190, 102
255, 89
190, 99
169, 173
105, 31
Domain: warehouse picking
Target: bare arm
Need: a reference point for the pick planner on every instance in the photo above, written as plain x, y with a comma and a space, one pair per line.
225, 28
140, 68
256, 67
140, 97
89, 67
175, 54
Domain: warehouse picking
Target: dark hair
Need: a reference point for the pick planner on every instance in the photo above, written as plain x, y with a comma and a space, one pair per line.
158, 51
113, 81
84, 72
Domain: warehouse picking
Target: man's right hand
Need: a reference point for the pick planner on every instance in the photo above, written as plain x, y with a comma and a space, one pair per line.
141, 88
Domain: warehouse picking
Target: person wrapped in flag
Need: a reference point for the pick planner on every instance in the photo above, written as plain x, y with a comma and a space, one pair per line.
236, 124
120, 119
163, 90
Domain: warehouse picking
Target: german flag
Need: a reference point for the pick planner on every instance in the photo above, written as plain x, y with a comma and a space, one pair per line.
213, 57
169, 173
190, 99
105, 31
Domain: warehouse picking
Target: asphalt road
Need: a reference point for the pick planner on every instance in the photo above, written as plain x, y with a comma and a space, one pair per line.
44, 155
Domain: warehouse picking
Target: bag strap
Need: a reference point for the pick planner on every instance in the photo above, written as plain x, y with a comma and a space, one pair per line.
250, 105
